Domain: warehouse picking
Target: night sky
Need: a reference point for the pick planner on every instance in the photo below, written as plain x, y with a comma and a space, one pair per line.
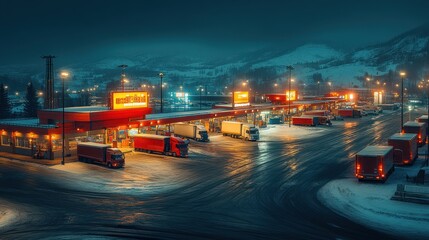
77, 30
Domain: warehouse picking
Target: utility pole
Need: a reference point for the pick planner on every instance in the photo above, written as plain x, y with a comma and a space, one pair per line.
290, 68
123, 66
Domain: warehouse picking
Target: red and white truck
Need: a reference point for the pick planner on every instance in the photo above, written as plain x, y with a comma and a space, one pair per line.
100, 153
305, 120
374, 163
167, 145
405, 148
417, 128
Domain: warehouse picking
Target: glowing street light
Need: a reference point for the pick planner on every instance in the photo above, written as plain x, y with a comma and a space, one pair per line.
64, 76
290, 68
402, 74
161, 75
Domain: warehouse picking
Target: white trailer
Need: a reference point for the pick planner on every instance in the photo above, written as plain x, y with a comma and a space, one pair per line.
191, 131
245, 131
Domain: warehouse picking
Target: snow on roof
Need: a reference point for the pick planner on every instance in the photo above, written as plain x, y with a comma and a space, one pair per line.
402, 136
80, 109
413, 124
26, 122
100, 145
159, 137
423, 117
376, 150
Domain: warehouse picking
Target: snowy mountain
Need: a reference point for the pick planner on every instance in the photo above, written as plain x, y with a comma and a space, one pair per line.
408, 50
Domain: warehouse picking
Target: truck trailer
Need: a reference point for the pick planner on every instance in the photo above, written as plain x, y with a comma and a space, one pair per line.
191, 131
167, 145
374, 163
241, 130
305, 120
405, 148
100, 153
417, 128
353, 113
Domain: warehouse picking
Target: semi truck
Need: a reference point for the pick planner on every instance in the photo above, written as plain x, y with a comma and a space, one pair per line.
417, 128
305, 120
241, 130
167, 145
405, 148
100, 153
318, 113
423, 119
374, 163
191, 131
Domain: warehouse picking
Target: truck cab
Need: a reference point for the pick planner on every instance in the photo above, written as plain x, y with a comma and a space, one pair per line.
115, 158
202, 133
179, 147
250, 133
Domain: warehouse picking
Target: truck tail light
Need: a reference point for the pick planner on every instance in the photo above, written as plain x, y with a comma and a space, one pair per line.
358, 167
380, 168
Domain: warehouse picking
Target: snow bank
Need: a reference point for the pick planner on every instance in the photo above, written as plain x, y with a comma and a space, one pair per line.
8, 214
369, 204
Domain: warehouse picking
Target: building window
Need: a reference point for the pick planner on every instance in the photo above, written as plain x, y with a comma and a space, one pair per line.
5, 140
23, 142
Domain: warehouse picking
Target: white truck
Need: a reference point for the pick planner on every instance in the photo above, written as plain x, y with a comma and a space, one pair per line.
191, 131
245, 131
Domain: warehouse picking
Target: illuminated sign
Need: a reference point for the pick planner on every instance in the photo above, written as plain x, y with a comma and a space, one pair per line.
291, 95
180, 94
125, 100
241, 99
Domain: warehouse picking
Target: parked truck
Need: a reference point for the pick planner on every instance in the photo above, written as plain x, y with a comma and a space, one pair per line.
245, 131
405, 148
167, 145
417, 128
353, 113
305, 120
318, 113
374, 163
423, 119
191, 131
100, 153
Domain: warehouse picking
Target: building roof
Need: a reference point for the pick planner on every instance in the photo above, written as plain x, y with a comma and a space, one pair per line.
26, 122
374, 151
403, 136
85, 109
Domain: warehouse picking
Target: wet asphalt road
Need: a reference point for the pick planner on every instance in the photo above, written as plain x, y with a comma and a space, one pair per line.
238, 190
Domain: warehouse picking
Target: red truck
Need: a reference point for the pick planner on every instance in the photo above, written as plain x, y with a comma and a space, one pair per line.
100, 153
305, 120
374, 163
167, 145
405, 148
353, 113
417, 128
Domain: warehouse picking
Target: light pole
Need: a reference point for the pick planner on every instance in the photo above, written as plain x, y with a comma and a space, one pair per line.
123, 80
402, 74
64, 75
161, 75
290, 68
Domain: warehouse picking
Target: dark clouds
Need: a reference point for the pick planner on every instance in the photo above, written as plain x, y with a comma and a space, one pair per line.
76, 29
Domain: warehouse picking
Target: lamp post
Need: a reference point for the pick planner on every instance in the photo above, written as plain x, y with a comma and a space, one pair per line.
64, 75
290, 68
161, 75
123, 80
402, 74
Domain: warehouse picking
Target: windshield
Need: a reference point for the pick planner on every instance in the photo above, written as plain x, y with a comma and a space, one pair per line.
203, 132
254, 131
181, 146
117, 157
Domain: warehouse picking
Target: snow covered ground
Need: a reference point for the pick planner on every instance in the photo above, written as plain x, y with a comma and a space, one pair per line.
369, 204
8, 213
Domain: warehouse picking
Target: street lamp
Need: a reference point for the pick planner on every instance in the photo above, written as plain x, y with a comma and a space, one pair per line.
290, 68
64, 75
402, 74
161, 75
